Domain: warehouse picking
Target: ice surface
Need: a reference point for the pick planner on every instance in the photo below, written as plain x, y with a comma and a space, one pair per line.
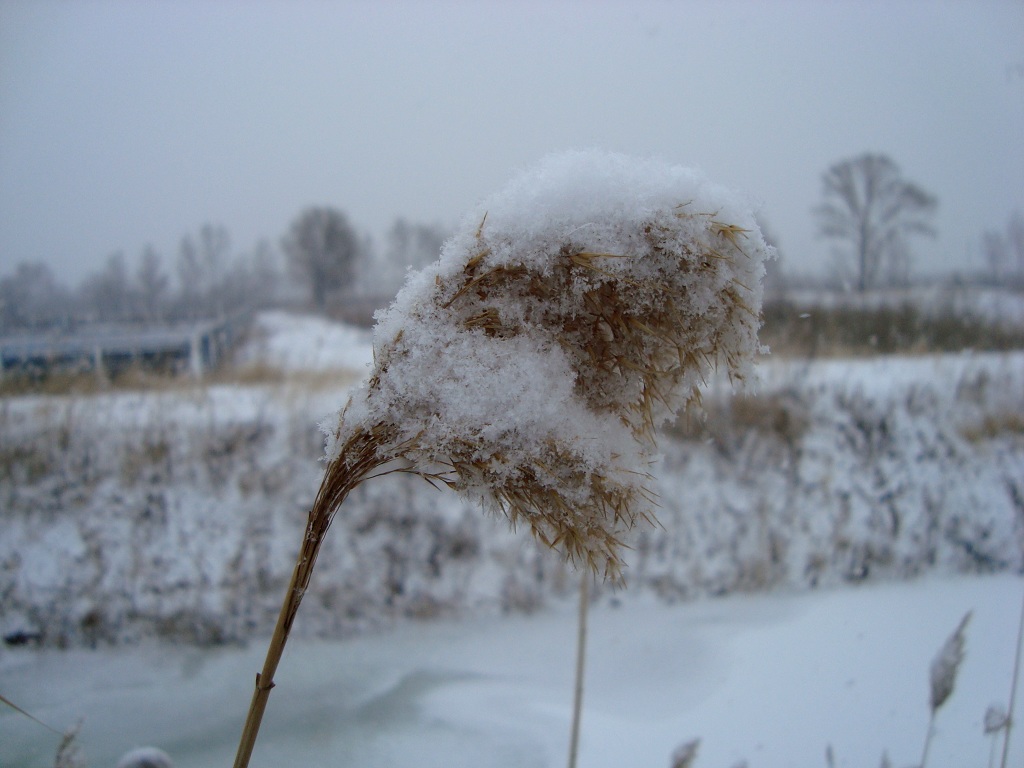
773, 680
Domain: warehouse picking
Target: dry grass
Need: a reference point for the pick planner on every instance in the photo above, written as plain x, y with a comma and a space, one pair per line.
994, 426
815, 331
777, 415
136, 379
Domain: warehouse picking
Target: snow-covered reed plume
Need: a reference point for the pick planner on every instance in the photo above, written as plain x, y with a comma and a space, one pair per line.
528, 367
571, 314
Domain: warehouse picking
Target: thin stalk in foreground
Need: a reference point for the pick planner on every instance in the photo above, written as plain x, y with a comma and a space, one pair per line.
343, 474
928, 738
581, 647
1013, 689
265, 678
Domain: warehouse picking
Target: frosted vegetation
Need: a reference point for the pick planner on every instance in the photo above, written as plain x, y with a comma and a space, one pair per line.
177, 513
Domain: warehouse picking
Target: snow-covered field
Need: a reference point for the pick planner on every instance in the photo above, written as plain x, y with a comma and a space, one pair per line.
297, 343
770, 680
165, 523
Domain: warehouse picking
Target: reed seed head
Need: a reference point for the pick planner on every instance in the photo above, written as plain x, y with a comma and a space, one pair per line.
946, 663
685, 755
569, 317
996, 719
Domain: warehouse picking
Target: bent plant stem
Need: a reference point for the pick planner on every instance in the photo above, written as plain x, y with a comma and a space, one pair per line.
265, 678
1013, 690
581, 646
356, 460
928, 738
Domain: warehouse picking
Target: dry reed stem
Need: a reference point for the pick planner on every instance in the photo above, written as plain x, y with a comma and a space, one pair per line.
30, 716
356, 462
1013, 689
581, 650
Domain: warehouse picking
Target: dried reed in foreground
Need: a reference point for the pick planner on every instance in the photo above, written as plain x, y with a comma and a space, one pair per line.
942, 677
530, 365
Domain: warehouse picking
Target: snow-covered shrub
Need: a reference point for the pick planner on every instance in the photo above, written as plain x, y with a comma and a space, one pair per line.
863, 472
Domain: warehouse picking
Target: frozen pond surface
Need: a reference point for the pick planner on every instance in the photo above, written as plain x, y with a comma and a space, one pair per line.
773, 680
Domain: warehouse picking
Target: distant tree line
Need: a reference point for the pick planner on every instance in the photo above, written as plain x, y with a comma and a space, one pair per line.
869, 211
325, 261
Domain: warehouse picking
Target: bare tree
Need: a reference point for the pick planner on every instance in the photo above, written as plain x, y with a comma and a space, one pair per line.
190, 277
107, 294
1004, 251
407, 245
215, 252
414, 245
264, 274
869, 208
202, 268
251, 281
322, 249
31, 298
151, 286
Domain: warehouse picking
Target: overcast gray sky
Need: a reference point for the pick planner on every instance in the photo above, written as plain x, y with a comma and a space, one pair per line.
123, 124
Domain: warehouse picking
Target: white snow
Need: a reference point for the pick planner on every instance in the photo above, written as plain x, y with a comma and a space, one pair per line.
771, 680
291, 342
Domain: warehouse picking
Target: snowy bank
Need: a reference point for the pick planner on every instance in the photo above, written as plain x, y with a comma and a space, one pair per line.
178, 513
291, 343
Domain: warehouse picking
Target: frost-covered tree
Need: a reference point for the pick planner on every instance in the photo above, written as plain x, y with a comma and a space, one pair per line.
31, 298
202, 270
1004, 251
408, 246
322, 248
152, 284
262, 275
107, 294
870, 210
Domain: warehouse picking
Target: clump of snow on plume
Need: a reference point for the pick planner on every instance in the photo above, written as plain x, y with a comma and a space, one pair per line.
570, 314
